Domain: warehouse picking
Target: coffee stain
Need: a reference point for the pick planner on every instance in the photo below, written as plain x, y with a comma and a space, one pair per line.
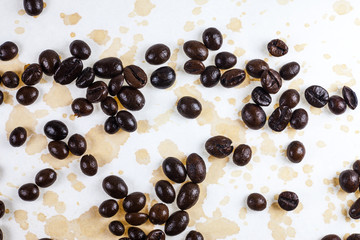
36, 144
242, 213
142, 156
31, 236
342, 7
129, 57
51, 199
167, 148
56, 163
21, 116
8, 99
143, 126
72, 34
327, 56
113, 49
101, 37
162, 119
236, 173
280, 224
201, 2
344, 128
264, 190
143, 7
267, 146
173, 58
143, 23
14, 65
282, 2
21, 217
307, 168
58, 227
320, 144
21, 12
123, 29
41, 217
309, 182
75, 184
58, 96
70, 19
196, 11
19, 30
328, 214
225, 201
287, 174
295, 84
342, 70
300, 47
239, 51
232, 101
189, 26
315, 111
234, 25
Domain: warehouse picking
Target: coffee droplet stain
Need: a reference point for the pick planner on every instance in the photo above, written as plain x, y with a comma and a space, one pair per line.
113, 49
31, 236
239, 51
70, 19
21, 116
21, 217
8, 99
123, 29
142, 156
189, 26
267, 146
36, 144
19, 30
328, 214
162, 119
196, 11
342, 7
342, 70
287, 174
143, 126
99, 36
295, 84
14, 65
168, 148
201, 2
55, 163
234, 25
58, 96
41, 217
300, 47
143, 7
129, 57
283, 2
51, 199
76, 184
280, 224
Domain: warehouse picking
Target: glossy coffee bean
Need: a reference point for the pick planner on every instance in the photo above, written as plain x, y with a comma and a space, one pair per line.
49, 61
136, 219
135, 233
256, 202
210, 76
33, 7
196, 168
108, 208
261, 97
177, 223
331, 237
111, 126
253, 116
109, 106
225, 60
280, 118
135, 76
349, 181
189, 107
82, 107
271, 81
194, 67
157, 54
97, 92
289, 70
219, 146
354, 211
242, 155
212, 38
68, 71
356, 166
32, 74
115, 84
29, 192
277, 48
86, 78
2, 209
45, 177
116, 228
88, 165
126, 121
17, 137
194, 235
124, 238
58, 149
316, 96
350, 97
80, 49
1, 97
299, 119
131, 98
355, 236
232, 78
8, 51
165, 191
27, 95
295, 152
337, 105
289, 98
196, 50
108, 67
115, 187
163, 77
174, 169
158, 214
56, 130
77, 144
10, 79
188, 196
256, 67
288, 200
134, 202
156, 235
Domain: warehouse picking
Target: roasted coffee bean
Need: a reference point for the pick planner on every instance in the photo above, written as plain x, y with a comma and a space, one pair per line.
196, 168
331, 237
136, 233
188, 196
194, 235
27, 95
280, 118
156, 235
56, 130
33, 7
86, 78
135, 76
68, 71
219, 146
115, 187
58, 149
295, 152
108, 208
10, 79
158, 214
210, 76
157, 54
196, 50
82, 107
289, 70
124, 238
109, 106
29, 192
134, 202
354, 211
1, 97
45, 178
126, 121
225, 60
288, 200
111, 126
212, 38
165, 191
355, 236
97, 92
253, 116
232, 78
80, 49
32, 74
316, 96
88, 165
116, 228
349, 181
256, 67
163, 77
108, 67
136, 219
299, 119
174, 169
77, 144
194, 67
337, 105
256, 202
115, 85
271, 81
189, 107
8, 51
289, 98
49, 61
261, 97
17, 137
177, 223
45, 239
242, 155
356, 166
2, 209
277, 48
350, 97
1, 235
131, 98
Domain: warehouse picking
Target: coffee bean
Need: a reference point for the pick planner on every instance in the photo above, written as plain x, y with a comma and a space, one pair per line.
277, 48
115, 85
49, 61
80, 49
350, 97
337, 105
316, 96
40, 239
136, 233
68, 71
256, 202
196, 168
188, 196
174, 169
131, 98
163, 77
331, 237
56, 130
165, 191
32, 74
111, 126
124, 238
27, 95
225, 60
82, 107
256, 67
1, 234
289, 70
126, 121
194, 235
109, 106
354, 211
97, 92
136, 219
1, 97
177, 223
299, 119
77, 144
280, 118
232, 78
116, 228
189, 107
29, 192
295, 152
86, 78
108, 208
219, 146
135, 76
10, 79
134, 202
88, 165
58, 149
108, 67
355, 236
253, 116
288, 200
212, 38
156, 235
242, 155
194, 67
2, 209
158, 214
157, 54
17, 137
349, 181
261, 97
271, 81
356, 166
45, 177
115, 187
8, 51
33, 7
289, 98
196, 50
210, 76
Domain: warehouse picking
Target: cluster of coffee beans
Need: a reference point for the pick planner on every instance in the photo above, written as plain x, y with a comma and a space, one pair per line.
354, 236
287, 200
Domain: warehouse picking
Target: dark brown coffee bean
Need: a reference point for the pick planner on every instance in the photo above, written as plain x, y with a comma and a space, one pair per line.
196, 168
349, 181
288, 200
49, 61
131, 98
196, 50
58, 149
271, 81
82, 107
33, 7
256, 202
299, 119
350, 97
355, 236
194, 235
261, 97
124, 238
337, 105
27, 95
210, 76
242, 155
116, 228
17, 137
136, 234
1, 97
80, 49
295, 151
277, 48
29, 192
2, 209
136, 219
163, 77
77, 144
188, 196
135, 76
174, 169
10, 79
232, 78
165, 191
115, 85
45, 178
289, 98
88, 165
219, 146
32, 74
225, 60
194, 67
157, 54
177, 223
253, 116
111, 126
97, 92
1, 235
256, 67
356, 166
68, 71
316, 96
189, 107
158, 214
134, 202
108, 208
289, 70
280, 118
108, 67
56, 130
8, 51
126, 121
86, 78
115, 187
354, 211
156, 235
212, 38
331, 237
109, 106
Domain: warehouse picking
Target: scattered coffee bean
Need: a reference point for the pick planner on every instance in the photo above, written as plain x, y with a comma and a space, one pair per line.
10, 79
280, 118
115, 84
1, 234
316, 96
288, 200
157, 54
210, 76
27, 95
8, 51
80, 49
163, 77
277, 48
212, 38
109, 106
126, 121
242, 155
196, 50
253, 116
355, 236
134, 202
354, 211
349, 181
49, 61
337, 105
2, 209
177, 223
256, 202
88, 165
17, 137
97, 92
158, 214
58, 149
136, 233
111, 126
295, 152
261, 97
82, 107
289, 70
331, 237
350, 97
165, 191
271, 81
108, 208
77, 144
33, 7
131, 98
194, 67
219, 146
189, 107
225, 60
86, 78
108, 67
196, 168
356, 166
256, 67
194, 235
174, 169
232, 78
32, 74
45, 177
299, 119
68, 71
289, 98
56, 130
29, 192
136, 219
115, 187
135, 76
116, 228
156, 235
188, 196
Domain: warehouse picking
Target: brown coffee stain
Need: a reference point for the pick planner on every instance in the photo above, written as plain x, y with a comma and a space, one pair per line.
201, 2
58, 96
282, 2
173, 58
142, 156
143, 126
36, 144
239, 51
8, 99
295, 84
21, 116
309, 182
287, 174
31, 236
21, 217
129, 57
75, 184
41, 217
58, 227
21, 12
315, 111
101, 37
72, 34
342, 7
51, 199
280, 223
300, 47
56, 163
225, 201
19, 30
307, 168
168, 148
242, 213
189, 26
143, 7
342, 70
328, 214
123, 29
234, 25
70, 19
14, 65
113, 49
162, 119
344, 128
196, 11
267, 146
246, 99
264, 190
232, 101
327, 56
320, 144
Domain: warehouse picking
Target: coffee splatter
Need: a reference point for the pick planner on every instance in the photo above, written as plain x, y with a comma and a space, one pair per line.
235, 25
76, 184
70, 19
58, 96
51, 199
142, 156
101, 37
36, 144
21, 217
143, 7
342, 7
